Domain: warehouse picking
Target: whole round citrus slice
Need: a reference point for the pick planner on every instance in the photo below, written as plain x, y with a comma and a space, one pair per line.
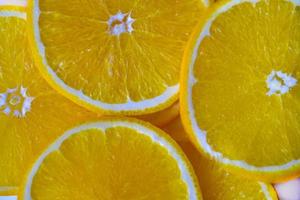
112, 159
240, 90
120, 57
32, 114
218, 184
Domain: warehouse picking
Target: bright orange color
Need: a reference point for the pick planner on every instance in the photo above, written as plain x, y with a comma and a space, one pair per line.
228, 104
215, 182
112, 159
25, 133
113, 57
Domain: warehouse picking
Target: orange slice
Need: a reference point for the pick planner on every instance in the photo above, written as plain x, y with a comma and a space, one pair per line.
112, 159
240, 91
32, 114
113, 57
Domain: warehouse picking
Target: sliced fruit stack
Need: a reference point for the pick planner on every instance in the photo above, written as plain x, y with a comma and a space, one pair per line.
71, 72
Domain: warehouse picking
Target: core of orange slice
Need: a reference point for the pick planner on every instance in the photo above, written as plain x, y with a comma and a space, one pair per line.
32, 114
240, 89
115, 57
112, 159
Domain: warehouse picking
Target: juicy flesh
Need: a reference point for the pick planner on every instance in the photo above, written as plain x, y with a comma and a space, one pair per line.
119, 163
247, 43
23, 138
117, 68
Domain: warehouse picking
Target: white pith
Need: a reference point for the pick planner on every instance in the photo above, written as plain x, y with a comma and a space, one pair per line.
20, 92
201, 134
10, 13
185, 172
279, 83
123, 27
264, 189
171, 91
8, 107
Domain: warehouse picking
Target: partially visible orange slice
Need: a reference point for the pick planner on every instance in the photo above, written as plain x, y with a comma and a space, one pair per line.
112, 159
240, 89
32, 114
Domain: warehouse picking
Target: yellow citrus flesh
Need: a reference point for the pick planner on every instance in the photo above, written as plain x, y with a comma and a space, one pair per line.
112, 159
31, 113
217, 184
113, 56
240, 97
163, 117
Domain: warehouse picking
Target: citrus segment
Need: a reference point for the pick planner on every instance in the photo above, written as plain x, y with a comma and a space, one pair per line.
113, 56
31, 113
112, 159
240, 89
